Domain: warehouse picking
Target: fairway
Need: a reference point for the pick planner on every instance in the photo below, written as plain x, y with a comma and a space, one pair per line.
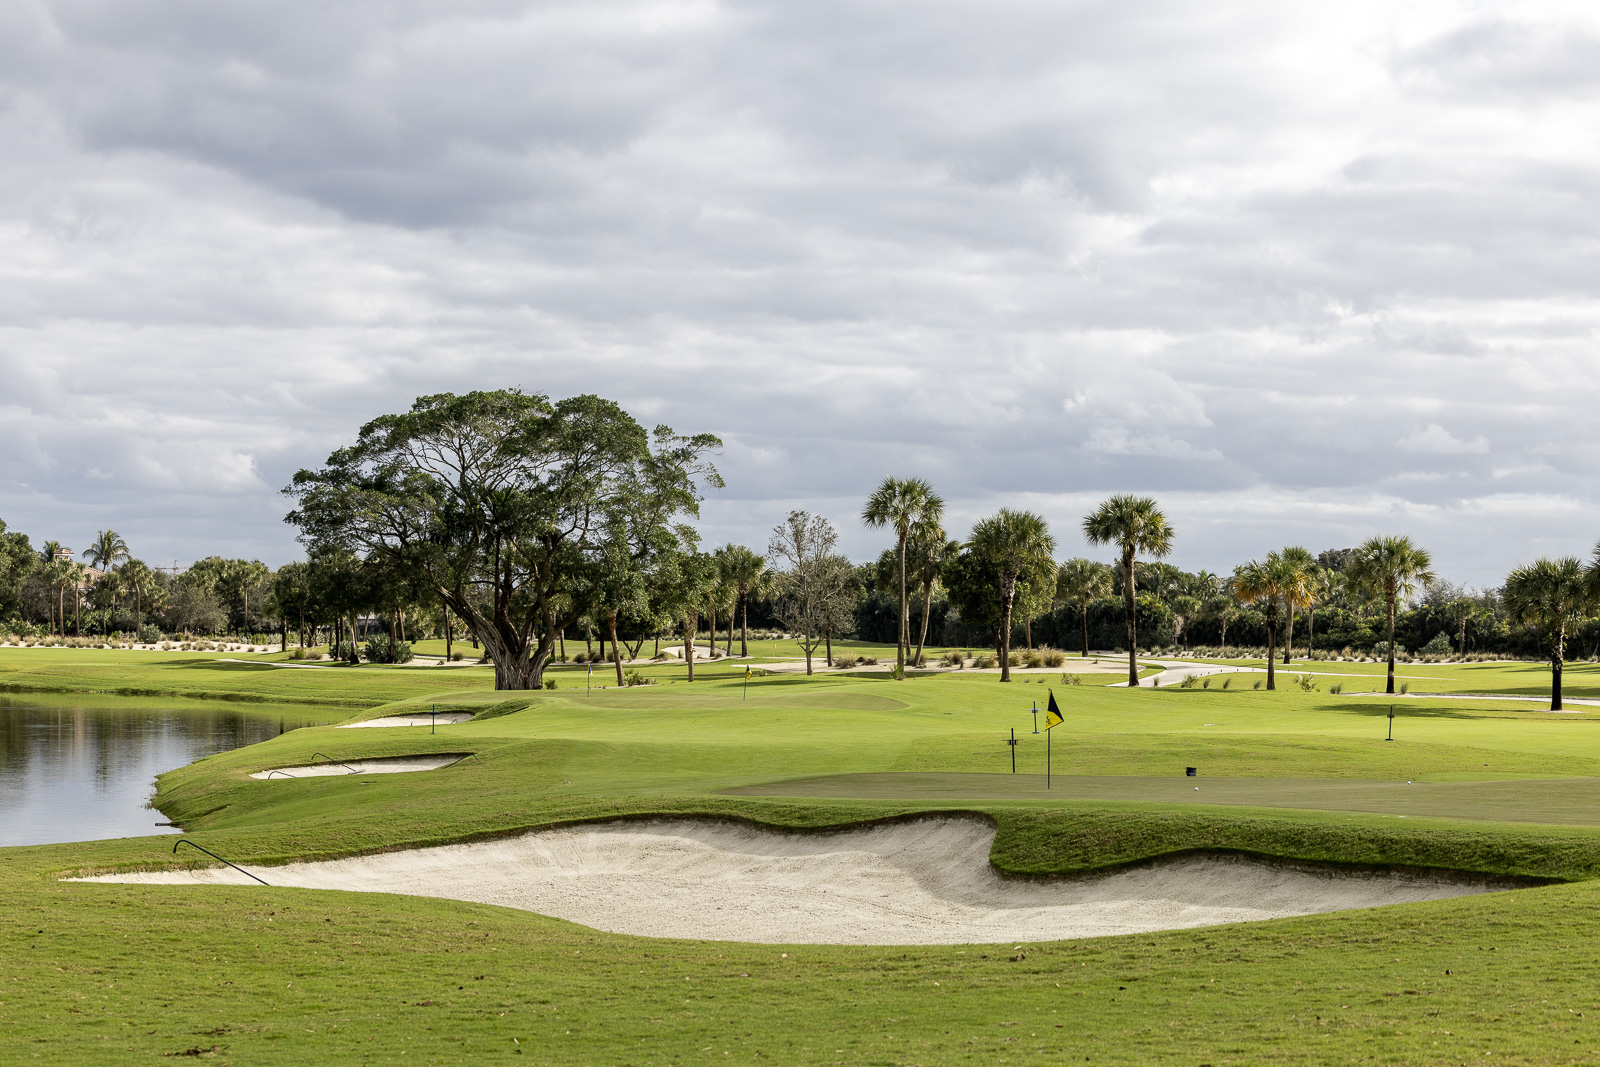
1503, 795
1571, 802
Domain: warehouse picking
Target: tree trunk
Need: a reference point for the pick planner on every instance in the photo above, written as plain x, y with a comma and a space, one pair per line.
1027, 633
1133, 627
744, 625
691, 624
1390, 599
1272, 648
1311, 633
1009, 595
1085, 613
809, 645
905, 607
1288, 637
449, 635
616, 655
730, 631
927, 607
827, 636
283, 633
1558, 653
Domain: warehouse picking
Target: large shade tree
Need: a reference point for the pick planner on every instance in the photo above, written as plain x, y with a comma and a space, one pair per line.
1390, 568
1135, 525
903, 504
1551, 595
504, 503
1015, 543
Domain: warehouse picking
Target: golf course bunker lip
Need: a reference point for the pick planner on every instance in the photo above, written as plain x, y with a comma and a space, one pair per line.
379, 765
912, 882
444, 718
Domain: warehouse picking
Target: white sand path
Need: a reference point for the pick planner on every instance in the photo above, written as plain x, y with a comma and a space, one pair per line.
926, 881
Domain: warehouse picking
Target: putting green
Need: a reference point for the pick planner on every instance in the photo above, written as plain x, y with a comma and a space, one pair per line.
1561, 801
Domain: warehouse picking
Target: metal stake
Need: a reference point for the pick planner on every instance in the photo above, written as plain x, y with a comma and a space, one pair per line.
1013, 744
1391, 724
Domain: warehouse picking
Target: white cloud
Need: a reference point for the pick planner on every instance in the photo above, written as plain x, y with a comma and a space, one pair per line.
1436, 439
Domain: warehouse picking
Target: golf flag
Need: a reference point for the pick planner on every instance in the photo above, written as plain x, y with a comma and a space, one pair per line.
1052, 714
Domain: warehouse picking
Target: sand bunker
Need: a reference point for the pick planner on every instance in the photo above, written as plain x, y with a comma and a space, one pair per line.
385, 765
444, 718
926, 881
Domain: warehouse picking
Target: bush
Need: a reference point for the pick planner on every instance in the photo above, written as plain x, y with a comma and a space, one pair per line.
1405, 687
1190, 681
1336, 688
1306, 683
867, 661
953, 659
844, 661
1054, 657
581, 657
1439, 646
456, 655
381, 649
635, 678
1072, 679
149, 633
985, 663
1014, 658
1256, 684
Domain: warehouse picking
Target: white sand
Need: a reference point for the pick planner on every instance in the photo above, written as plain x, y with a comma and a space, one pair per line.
444, 718
922, 882
386, 765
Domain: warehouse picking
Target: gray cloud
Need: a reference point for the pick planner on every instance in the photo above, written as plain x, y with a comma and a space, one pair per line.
1305, 274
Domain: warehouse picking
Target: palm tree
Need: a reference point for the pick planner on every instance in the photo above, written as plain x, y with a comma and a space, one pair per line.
107, 550
903, 503
747, 573
1390, 567
1551, 594
929, 550
1083, 581
1269, 585
137, 577
1014, 542
1134, 524
1460, 611
1299, 595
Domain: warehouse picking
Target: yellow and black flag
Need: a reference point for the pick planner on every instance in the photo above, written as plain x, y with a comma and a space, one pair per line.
1052, 714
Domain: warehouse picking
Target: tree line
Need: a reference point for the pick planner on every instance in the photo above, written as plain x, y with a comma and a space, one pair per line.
517, 521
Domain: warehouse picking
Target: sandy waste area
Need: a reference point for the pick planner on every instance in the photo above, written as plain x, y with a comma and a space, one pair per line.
382, 765
922, 882
444, 718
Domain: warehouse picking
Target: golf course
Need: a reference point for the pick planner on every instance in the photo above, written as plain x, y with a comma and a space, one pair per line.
1482, 813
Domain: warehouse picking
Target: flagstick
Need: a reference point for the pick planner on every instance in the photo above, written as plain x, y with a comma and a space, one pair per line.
1047, 759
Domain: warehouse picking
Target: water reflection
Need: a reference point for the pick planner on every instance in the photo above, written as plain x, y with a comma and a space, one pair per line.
71, 771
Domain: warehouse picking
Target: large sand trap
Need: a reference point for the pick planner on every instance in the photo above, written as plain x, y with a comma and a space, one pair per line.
383, 765
926, 881
444, 718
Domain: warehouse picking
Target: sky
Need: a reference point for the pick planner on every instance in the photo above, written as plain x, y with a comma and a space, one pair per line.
1304, 273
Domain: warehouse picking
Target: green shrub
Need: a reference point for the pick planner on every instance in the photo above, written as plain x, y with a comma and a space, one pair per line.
1257, 684
1336, 688
381, 649
1072, 679
953, 659
844, 661
1306, 683
1190, 681
984, 663
1405, 687
549, 683
1439, 646
867, 661
635, 678
1054, 657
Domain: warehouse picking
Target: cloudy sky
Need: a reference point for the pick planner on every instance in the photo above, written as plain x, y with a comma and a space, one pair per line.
1304, 272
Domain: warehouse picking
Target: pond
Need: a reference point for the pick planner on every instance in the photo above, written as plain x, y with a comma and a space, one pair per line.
82, 769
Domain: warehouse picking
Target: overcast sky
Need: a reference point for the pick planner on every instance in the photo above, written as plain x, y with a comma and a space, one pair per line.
1303, 272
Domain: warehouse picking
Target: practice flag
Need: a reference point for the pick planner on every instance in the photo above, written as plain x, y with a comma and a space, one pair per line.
1052, 714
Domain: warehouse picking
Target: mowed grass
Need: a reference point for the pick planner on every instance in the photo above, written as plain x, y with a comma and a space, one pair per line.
115, 973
